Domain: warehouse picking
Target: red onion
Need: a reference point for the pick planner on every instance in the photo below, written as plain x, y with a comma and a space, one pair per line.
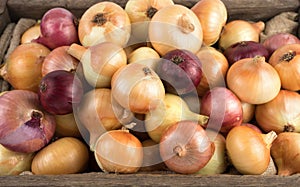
59, 90
180, 70
223, 108
58, 28
245, 49
275, 41
25, 126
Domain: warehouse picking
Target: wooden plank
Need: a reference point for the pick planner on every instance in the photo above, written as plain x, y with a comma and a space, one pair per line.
237, 9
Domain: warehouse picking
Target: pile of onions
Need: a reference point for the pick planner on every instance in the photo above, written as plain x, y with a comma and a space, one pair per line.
253, 80
278, 40
286, 61
104, 22
22, 68
175, 27
26, 127
213, 16
281, 114
185, 147
58, 28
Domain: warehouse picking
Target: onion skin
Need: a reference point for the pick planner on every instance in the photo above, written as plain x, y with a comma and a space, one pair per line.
285, 151
185, 148
58, 91
58, 28
26, 127
278, 40
30, 34
248, 112
223, 108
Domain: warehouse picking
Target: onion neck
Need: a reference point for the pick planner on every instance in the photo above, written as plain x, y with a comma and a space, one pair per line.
269, 138
185, 24
76, 51
201, 119
287, 57
179, 151
259, 59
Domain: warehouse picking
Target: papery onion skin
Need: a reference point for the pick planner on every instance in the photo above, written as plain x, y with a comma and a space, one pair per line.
118, 151
185, 148
58, 28
31, 34
281, 114
277, 40
223, 108
26, 127
59, 59
58, 91
66, 155
245, 49
22, 68
285, 152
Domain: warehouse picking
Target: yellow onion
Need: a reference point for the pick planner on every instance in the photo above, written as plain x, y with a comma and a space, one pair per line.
66, 126
144, 55
23, 67
175, 27
253, 80
104, 22
286, 153
118, 151
99, 62
137, 87
240, 30
140, 13
213, 16
31, 33
248, 111
171, 110
214, 69
282, 114
14, 163
249, 150
66, 155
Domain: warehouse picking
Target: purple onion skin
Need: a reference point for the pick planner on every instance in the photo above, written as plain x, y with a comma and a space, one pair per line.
58, 28
275, 41
245, 49
25, 126
59, 90
223, 108
180, 71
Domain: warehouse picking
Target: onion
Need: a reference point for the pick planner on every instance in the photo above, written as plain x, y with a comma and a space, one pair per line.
66, 126
58, 91
180, 70
253, 80
59, 59
285, 151
254, 127
223, 108
248, 150
32, 33
281, 114
144, 55
248, 111
245, 49
58, 28
278, 40
26, 127
185, 147
118, 151
22, 68
66, 155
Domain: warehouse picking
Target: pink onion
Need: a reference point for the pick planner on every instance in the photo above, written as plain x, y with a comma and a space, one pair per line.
245, 49
275, 41
58, 28
223, 108
25, 126
59, 90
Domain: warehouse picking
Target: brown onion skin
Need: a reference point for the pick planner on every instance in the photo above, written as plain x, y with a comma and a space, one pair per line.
25, 126
245, 49
275, 41
223, 108
185, 147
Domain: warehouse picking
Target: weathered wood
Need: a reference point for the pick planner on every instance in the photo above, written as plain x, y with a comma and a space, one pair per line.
237, 9
146, 179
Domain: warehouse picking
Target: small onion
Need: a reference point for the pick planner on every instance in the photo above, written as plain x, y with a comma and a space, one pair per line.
281, 114
144, 55
248, 111
185, 147
104, 22
248, 150
278, 40
118, 151
26, 127
66, 126
22, 68
58, 91
253, 80
175, 27
32, 33
66, 155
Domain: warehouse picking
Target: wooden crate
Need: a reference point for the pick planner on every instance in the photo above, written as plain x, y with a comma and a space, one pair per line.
12, 12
